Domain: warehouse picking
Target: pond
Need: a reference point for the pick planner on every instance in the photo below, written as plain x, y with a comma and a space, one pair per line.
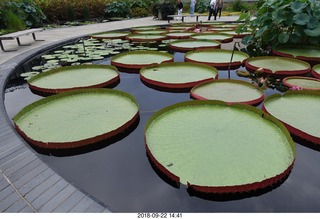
119, 174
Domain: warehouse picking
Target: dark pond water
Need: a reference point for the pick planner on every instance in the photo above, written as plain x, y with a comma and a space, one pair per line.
120, 175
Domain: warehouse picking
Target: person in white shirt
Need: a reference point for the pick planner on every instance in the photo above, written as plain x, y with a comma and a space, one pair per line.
192, 6
212, 10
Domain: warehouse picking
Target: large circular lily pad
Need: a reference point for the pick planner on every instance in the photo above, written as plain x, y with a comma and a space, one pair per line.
192, 44
133, 61
146, 37
279, 66
223, 38
74, 77
179, 75
299, 111
305, 83
228, 90
110, 35
76, 118
219, 58
316, 71
216, 148
180, 35
309, 54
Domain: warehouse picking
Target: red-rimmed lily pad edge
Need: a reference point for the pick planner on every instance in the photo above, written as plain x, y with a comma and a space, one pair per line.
135, 68
177, 48
294, 131
85, 144
219, 65
280, 73
47, 91
110, 35
316, 71
222, 190
174, 87
288, 84
254, 102
311, 60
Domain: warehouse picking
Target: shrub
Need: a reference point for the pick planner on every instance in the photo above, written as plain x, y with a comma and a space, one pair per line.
117, 9
240, 6
202, 6
13, 21
282, 22
164, 8
26, 10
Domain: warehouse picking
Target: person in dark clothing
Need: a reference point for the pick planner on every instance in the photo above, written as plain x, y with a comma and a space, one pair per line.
212, 9
180, 7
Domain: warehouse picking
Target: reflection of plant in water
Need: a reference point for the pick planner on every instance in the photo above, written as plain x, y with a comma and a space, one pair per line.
262, 82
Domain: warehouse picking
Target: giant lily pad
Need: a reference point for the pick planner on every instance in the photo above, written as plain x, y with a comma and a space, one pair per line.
218, 58
189, 45
74, 77
216, 148
316, 71
309, 54
110, 35
235, 34
133, 61
179, 75
223, 38
145, 28
228, 90
299, 111
179, 35
76, 118
146, 37
305, 83
279, 66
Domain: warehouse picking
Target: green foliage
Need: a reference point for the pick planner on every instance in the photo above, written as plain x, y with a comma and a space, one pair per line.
26, 10
282, 22
202, 6
117, 9
70, 13
164, 8
13, 21
239, 6
140, 8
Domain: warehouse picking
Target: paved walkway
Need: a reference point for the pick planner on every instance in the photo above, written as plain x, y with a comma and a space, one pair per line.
26, 183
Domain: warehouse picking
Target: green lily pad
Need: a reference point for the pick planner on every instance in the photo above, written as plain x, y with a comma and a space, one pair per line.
110, 35
218, 58
223, 38
74, 77
191, 44
76, 118
316, 71
309, 54
299, 111
278, 65
235, 34
133, 61
145, 37
178, 75
215, 148
305, 83
180, 35
228, 90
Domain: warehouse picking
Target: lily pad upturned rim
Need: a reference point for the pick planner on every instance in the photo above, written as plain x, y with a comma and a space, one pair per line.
133, 29
228, 38
101, 36
179, 35
222, 189
277, 51
288, 84
43, 90
135, 68
175, 86
248, 102
316, 71
141, 37
177, 48
253, 68
83, 142
219, 65
291, 129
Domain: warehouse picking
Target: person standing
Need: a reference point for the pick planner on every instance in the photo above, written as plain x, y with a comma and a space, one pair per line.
212, 9
219, 8
180, 7
192, 7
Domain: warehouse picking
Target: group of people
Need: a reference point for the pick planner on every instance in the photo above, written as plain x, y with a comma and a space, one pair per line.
215, 8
